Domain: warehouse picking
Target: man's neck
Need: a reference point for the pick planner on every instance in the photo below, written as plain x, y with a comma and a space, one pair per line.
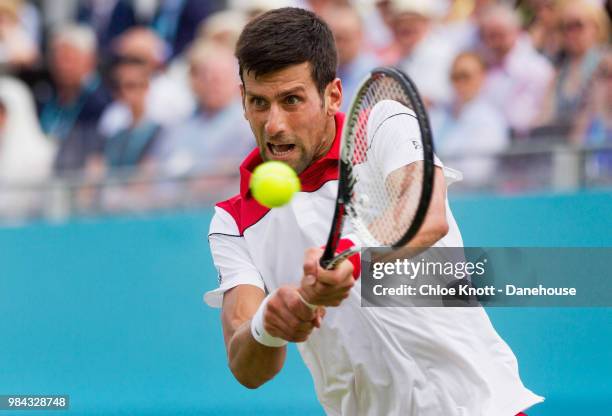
329, 136
138, 113
68, 94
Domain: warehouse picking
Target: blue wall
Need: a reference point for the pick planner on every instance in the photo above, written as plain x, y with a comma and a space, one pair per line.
110, 312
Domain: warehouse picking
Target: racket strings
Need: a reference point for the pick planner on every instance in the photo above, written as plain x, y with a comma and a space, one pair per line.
382, 204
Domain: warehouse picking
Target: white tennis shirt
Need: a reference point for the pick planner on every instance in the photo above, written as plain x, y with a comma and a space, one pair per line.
367, 361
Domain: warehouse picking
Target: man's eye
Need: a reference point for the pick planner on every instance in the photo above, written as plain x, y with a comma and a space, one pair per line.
258, 102
292, 100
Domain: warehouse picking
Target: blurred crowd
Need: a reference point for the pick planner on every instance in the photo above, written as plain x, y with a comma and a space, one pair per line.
92, 89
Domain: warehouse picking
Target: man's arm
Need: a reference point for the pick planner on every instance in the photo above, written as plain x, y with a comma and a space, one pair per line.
435, 225
251, 362
285, 316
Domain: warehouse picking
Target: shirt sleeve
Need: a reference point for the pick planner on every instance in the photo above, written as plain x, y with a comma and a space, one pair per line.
394, 138
231, 258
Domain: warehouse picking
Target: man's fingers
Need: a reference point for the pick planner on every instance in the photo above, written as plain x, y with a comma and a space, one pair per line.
281, 329
320, 313
311, 262
342, 274
330, 286
287, 317
297, 307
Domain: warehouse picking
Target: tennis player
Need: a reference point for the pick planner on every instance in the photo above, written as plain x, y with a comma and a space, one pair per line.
364, 361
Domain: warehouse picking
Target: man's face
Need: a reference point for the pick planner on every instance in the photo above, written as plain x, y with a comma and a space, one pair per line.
132, 83
409, 29
467, 76
70, 65
498, 37
346, 28
214, 82
291, 121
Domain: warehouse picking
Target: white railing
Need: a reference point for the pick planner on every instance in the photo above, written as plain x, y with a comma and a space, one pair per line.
527, 167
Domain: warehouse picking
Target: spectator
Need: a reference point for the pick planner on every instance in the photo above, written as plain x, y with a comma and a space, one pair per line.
223, 28
319, 6
518, 76
594, 125
424, 56
108, 18
18, 47
168, 100
129, 147
353, 63
544, 28
584, 29
125, 153
217, 134
469, 130
377, 26
70, 114
26, 155
177, 21
460, 25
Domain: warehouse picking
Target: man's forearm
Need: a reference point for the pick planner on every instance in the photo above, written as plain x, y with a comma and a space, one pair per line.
252, 363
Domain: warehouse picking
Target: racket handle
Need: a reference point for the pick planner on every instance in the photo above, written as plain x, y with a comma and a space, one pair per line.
333, 262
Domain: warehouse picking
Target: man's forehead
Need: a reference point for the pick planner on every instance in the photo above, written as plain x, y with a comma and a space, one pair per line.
289, 78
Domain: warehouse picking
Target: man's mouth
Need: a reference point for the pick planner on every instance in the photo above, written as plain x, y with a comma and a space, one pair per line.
280, 150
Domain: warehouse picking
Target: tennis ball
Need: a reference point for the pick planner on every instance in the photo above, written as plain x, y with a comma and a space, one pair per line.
274, 183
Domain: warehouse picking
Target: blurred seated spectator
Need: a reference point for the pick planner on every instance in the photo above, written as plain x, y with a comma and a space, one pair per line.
518, 75
124, 154
70, 113
353, 62
216, 135
543, 27
585, 29
460, 24
177, 21
108, 18
26, 155
223, 27
424, 56
18, 46
129, 147
168, 99
377, 25
594, 124
469, 132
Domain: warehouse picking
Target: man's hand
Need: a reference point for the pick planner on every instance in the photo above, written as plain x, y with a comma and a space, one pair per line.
325, 287
287, 317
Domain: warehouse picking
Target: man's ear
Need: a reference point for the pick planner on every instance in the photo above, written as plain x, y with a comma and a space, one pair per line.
242, 93
333, 96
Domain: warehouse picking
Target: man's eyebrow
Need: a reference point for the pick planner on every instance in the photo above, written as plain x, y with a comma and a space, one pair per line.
290, 91
281, 94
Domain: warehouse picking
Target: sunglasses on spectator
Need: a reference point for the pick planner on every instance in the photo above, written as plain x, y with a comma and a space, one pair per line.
123, 86
605, 73
572, 25
461, 76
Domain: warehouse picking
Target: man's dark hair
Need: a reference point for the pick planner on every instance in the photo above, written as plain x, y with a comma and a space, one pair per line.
284, 37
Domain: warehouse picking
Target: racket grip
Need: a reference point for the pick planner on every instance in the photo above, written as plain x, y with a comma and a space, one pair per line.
333, 262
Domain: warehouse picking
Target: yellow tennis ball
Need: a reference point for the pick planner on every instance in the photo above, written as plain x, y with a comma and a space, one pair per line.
274, 183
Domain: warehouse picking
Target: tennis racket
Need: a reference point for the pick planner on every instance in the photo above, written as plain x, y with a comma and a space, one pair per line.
386, 166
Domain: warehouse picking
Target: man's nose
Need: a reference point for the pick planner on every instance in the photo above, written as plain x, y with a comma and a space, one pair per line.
276, 121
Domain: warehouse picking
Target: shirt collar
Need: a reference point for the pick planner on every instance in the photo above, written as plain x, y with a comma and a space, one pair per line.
312, 177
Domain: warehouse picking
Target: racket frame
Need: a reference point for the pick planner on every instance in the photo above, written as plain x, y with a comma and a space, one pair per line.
346, 180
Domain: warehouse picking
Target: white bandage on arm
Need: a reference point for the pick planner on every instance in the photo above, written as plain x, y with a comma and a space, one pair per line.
259, 332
